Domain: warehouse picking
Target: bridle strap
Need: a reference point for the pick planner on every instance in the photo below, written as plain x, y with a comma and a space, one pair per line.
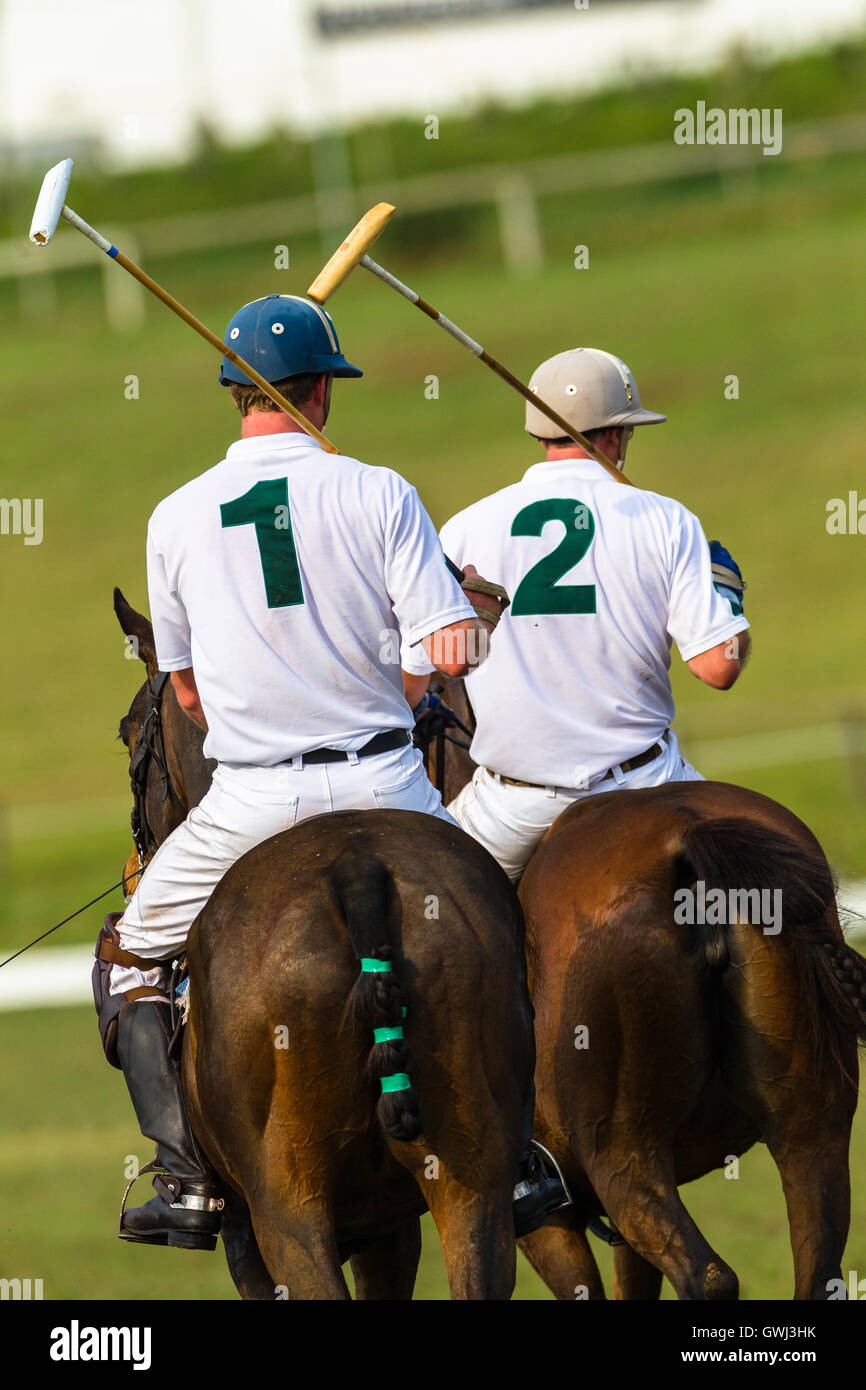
149, 747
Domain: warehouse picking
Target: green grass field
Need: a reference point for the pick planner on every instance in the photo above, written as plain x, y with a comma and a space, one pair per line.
760, 278
69, 1133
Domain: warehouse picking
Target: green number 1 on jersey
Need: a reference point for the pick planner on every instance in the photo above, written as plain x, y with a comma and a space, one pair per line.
266, 506
538, 591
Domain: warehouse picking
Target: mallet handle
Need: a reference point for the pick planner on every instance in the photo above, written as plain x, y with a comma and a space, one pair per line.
200, 328
456, 332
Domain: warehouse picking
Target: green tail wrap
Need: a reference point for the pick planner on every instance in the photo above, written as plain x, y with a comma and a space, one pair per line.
398, 1082
381, 1035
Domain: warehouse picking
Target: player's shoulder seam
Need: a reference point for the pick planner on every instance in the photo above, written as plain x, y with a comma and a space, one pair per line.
670, 506
194, 485
380, 474
492, 500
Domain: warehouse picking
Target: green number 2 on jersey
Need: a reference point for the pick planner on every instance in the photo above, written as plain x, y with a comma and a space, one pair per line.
266, 506
538, 591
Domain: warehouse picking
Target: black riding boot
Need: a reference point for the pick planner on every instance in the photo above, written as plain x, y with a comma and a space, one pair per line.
186, 1210
538, 1192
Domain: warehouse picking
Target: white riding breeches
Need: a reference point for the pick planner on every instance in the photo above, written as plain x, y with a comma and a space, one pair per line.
509, 820
244, 806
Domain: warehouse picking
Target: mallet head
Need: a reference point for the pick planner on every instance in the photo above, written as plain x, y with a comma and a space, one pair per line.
49, 204
353, 249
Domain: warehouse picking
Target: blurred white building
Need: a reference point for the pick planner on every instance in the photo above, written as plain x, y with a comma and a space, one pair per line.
133, 81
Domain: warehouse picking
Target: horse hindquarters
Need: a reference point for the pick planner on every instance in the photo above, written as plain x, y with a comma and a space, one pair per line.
651, 1084
789, 1030
287, 1069
457, 1128
614, 1003
279, 1239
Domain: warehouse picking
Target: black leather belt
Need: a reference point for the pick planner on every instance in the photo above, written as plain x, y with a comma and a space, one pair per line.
380, 743
628, 766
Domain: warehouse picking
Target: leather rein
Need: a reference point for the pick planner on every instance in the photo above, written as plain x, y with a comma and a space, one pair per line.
432, 727
149, 748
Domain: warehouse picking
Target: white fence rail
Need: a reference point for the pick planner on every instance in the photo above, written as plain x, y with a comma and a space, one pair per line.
512, 189
58, 976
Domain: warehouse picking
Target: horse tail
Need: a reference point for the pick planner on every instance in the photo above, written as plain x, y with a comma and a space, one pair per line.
365, 892
736, 855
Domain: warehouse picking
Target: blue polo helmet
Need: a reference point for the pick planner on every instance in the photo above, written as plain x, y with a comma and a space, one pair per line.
283, 335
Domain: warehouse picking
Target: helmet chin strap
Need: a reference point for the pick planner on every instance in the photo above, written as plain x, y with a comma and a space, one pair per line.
627, 432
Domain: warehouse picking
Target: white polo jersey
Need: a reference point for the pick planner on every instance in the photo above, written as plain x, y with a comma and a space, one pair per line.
284, 577
602, 578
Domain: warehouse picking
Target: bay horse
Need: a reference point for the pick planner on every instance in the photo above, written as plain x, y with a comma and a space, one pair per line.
699, 1041
280, 1069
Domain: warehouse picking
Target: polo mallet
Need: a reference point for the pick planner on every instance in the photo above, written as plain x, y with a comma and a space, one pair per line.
50, 207
354, 252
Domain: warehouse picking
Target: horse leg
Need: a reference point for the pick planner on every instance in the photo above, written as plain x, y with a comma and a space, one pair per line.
817, 1189
477, 1235
298, 1247
803, 1104
633, 1276
646, 1209
246, 1266
560, 1253
386, 1268
807, 1128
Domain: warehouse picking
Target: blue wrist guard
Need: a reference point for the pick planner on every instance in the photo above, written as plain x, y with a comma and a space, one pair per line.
727, 576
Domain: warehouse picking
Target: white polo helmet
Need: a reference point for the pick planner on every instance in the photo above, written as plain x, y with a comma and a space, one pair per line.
589, 388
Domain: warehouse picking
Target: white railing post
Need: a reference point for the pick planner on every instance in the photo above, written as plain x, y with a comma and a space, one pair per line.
519, 226
124, 296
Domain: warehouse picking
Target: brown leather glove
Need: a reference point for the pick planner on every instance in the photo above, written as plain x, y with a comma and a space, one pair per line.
480, 592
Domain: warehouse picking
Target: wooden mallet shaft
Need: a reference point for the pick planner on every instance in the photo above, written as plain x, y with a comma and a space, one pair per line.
353, 251
50, 207
204, 332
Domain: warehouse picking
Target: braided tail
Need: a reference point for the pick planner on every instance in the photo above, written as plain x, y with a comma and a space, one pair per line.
849, 968
365, 892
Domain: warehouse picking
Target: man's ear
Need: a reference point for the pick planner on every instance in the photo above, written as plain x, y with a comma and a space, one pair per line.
611, 441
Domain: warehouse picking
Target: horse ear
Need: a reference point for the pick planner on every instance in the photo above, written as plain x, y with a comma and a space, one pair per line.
137, 626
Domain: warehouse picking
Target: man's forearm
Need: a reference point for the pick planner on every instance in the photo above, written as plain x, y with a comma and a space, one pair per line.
197, 715
459, 648
186, 691
415, 687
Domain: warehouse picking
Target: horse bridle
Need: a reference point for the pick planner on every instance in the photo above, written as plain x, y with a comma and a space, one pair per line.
433, 724
149, 747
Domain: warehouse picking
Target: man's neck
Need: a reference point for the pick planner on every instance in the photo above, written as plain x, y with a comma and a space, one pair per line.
269, 422
573, 451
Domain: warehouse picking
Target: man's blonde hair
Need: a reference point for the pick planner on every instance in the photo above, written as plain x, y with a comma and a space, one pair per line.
297, 389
